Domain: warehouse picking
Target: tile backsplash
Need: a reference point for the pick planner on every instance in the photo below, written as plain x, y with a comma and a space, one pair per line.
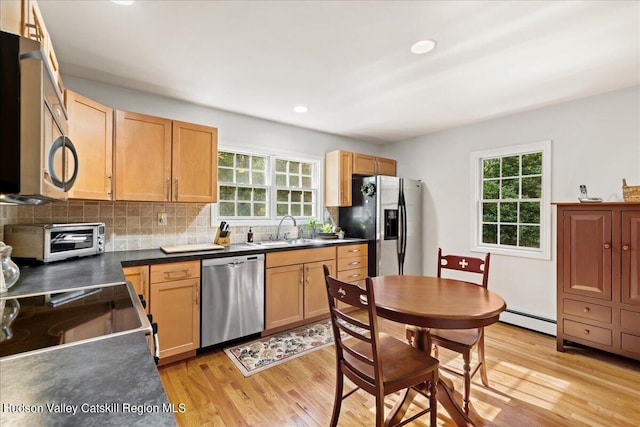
134, 225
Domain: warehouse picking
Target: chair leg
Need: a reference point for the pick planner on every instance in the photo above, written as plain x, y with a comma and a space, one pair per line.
337, 402
379, 409
433, 402
483, 365
467, 380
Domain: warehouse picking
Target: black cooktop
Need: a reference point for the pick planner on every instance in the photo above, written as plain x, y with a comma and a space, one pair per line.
46, 321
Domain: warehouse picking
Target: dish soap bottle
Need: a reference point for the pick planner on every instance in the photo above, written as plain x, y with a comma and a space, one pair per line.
250, 236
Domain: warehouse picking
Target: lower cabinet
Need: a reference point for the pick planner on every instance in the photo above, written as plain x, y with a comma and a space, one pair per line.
295, 288
174, 302
352, 265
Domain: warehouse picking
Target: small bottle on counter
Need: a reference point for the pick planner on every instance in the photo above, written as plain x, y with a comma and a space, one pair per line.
250, 236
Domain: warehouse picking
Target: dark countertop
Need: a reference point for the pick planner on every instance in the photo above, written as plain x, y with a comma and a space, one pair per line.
115, 375
107, 268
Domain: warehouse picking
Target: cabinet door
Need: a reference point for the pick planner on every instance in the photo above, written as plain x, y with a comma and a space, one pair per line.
284, 290
91, 131
587, 253
364, 164
175, 306
142, 158
315, 290
195, 163
338, 173
11, 17
139, 278
385, 166
631, 257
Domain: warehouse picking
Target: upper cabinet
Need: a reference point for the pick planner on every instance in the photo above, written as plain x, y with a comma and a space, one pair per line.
364, 164
91, 130
24, 18
340, 166
159, 160
338, 169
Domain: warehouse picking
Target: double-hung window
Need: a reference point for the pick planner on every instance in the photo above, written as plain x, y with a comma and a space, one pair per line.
255, 186
510, 204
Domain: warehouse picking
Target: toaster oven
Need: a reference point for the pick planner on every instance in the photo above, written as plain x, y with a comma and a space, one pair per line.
55, 242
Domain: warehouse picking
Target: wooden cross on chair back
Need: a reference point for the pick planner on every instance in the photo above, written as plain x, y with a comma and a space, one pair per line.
466, 264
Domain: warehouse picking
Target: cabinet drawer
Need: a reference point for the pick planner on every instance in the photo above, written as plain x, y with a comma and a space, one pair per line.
174, 271
587, 310
631, 343
588, 332
351, 263
630, 320
346, 251
300, 256
352, 275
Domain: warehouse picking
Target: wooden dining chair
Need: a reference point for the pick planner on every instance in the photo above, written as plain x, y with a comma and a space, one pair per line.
462, 341
374, 361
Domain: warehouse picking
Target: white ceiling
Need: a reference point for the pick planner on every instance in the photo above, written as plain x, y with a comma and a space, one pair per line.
349, 61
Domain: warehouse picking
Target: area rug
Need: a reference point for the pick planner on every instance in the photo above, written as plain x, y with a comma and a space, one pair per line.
256, 356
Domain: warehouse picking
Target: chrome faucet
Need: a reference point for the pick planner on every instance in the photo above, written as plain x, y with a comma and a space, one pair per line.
295, 224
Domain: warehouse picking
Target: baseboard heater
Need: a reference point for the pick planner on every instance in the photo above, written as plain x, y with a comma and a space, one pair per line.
529, 321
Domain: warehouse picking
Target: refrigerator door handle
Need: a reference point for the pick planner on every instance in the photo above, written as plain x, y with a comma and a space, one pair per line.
402, 228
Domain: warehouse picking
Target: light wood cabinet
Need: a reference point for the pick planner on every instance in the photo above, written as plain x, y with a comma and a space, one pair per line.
338, 168
139, 277
598, 277
158, 160
91, 130
175, 306
24, 18
294, 287
352, 265
364, 164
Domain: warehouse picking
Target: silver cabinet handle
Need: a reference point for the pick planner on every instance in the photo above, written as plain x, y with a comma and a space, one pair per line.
168, 189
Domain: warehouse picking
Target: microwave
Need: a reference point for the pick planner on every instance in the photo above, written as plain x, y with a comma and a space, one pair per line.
55, 242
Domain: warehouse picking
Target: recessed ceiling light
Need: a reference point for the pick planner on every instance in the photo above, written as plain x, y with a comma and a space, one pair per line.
300, 109
423, 46
123, 2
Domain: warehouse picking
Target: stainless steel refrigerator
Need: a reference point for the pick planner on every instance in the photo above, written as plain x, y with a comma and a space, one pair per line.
387, 211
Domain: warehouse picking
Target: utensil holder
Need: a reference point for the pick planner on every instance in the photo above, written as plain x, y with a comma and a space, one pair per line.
223, 241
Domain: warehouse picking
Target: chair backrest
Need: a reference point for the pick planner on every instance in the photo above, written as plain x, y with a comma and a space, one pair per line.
467, 264
359, 357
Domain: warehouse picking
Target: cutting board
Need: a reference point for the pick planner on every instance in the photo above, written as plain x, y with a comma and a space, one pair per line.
191, 248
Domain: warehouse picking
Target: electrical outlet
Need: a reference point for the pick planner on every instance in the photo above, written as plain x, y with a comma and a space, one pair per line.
162, 218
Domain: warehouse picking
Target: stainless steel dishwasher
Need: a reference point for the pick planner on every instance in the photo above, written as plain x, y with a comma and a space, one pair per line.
232, 298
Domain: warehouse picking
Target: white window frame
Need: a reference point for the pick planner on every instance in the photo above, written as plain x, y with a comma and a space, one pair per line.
476, 157
272, 218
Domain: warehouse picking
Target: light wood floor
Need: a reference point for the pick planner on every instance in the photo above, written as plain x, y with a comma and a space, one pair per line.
531, 384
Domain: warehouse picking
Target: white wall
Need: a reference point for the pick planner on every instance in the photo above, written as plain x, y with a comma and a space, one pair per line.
595, 141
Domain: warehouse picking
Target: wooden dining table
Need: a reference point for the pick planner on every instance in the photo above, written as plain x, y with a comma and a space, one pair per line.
432, 302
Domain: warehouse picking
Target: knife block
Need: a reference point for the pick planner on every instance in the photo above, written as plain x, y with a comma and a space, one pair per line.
223, 241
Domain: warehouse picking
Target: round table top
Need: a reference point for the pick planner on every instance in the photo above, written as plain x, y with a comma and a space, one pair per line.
434, 302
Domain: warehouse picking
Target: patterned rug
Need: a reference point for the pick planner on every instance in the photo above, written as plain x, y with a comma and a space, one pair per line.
255, 356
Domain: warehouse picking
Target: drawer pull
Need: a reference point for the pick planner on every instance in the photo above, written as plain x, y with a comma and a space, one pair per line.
587, 309
184, 272
354, 250
354, 275
354, 263
626, 247
587, 332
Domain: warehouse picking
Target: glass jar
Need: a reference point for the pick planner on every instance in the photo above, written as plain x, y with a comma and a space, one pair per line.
10, 270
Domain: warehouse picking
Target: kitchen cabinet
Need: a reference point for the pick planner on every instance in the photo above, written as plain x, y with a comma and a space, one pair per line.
139, 277
174, 303
598, 276
159, 160
338, 166
24, 18
364, 164
352, 265
341, 166
91, 131
295, 291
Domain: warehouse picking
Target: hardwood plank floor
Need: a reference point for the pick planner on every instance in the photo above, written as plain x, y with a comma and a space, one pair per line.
531, 384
